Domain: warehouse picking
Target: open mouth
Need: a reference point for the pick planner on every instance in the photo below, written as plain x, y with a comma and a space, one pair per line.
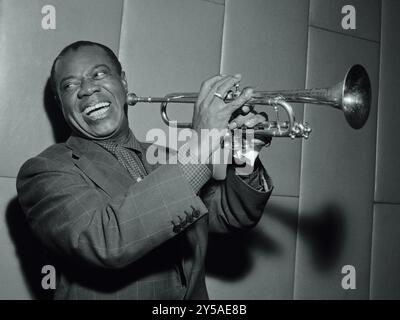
97, 111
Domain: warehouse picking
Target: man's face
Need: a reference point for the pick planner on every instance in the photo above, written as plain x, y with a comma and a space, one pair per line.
92, 93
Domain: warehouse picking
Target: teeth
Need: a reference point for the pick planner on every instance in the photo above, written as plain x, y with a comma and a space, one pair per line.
89, 109
98, 114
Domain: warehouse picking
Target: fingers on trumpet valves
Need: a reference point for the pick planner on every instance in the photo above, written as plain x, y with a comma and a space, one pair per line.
252, 119
224, 86
241, 101
233, 93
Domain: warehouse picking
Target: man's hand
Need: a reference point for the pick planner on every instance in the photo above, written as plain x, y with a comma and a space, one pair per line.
212, 112
244, 150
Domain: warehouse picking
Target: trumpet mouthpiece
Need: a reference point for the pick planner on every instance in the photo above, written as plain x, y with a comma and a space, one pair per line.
131, 99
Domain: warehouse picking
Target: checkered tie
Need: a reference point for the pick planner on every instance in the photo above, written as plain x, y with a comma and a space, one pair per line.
127, 157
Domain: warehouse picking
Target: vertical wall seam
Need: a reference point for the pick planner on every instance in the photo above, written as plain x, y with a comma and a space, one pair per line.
376, 158
372, 251
120, 28
222, 38
302, 155
2, 41
377, 112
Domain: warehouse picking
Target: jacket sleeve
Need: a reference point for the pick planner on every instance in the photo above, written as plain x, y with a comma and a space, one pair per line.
233, 203
75, 218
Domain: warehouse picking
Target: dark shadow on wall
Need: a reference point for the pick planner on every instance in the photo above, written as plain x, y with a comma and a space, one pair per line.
323, 234
28, 250
229, 256
61, 131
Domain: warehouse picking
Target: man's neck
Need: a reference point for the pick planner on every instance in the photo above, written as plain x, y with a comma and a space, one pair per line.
122, 137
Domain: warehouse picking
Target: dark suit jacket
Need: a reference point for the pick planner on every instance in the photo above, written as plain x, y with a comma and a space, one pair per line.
113, 237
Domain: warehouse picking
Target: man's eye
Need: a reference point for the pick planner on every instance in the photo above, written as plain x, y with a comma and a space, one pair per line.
99, 74
68, 86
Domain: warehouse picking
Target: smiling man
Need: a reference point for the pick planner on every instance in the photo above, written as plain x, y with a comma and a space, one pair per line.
118, 227
92, 90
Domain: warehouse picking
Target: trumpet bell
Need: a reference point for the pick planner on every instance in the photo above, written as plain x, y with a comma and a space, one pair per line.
356, 96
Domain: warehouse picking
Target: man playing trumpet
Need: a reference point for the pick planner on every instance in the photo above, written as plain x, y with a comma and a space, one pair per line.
117, 226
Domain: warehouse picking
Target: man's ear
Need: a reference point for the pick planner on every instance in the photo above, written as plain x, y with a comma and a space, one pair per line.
124, 81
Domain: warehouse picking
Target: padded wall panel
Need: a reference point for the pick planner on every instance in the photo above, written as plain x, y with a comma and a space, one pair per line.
328, 14
258, 264
168, 46
12, 282
387, 188
27, 52
337, 175
385, 266
266, 41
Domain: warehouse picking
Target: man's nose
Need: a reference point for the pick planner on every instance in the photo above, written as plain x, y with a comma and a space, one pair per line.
88, 87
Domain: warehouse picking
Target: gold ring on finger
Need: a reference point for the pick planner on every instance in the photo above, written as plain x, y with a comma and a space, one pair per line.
219, 96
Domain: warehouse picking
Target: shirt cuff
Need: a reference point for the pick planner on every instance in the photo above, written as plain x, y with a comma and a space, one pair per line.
258, 179
197, 174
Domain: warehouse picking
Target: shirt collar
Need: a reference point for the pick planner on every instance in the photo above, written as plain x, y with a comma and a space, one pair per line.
130, 142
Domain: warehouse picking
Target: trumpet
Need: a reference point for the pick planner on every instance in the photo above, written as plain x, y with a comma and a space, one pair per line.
352, 96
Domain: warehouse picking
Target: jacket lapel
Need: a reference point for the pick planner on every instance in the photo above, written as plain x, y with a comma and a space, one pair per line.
103, 168
99, 165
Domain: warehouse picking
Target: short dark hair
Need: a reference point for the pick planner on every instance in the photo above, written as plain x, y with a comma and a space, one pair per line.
75, 46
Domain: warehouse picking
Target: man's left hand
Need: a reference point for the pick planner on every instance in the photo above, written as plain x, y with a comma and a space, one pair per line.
245, 150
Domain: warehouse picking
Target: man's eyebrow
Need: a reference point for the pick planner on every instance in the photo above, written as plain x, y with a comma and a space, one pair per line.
101, 65
67, 78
